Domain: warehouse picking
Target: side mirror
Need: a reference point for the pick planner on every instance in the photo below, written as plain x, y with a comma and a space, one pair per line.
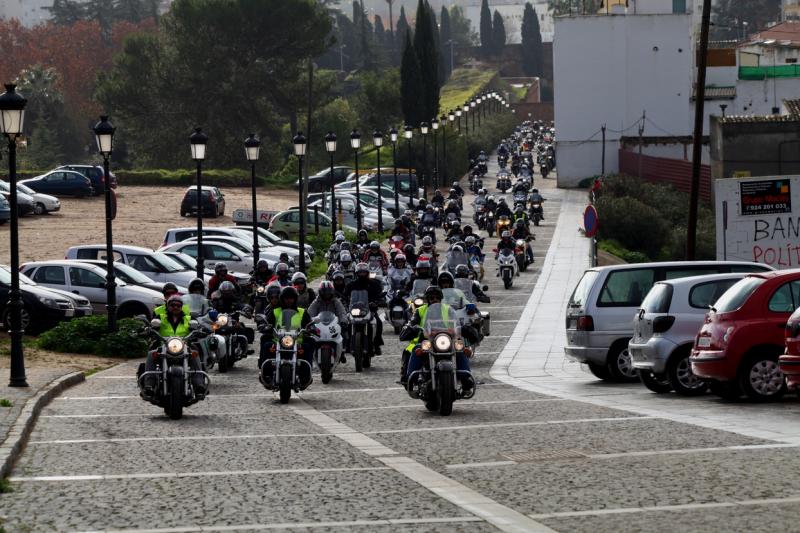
155, 323
485, 288
194, 324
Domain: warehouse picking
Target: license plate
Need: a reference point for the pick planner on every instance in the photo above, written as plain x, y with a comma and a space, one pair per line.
704, 342
69, 312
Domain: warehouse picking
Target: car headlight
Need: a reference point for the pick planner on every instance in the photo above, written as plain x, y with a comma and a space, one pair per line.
49, 302
442, 342
459, 345
287, 341
520, 243
426, 345
175, 346
355, 312
222, 320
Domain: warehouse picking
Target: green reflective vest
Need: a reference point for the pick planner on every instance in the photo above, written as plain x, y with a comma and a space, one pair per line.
423, 312
296, 322
166, 330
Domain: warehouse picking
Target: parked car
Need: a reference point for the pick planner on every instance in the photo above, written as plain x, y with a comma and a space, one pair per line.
61, 183
131, 276
287, 223
42, 203
789, 362
407, 182
738, 347
243, 246
321, 180
83, 307
5, 210
601, 306
369, 216
95, 174
154, 265
216, 252
174, 235
213, 202
665, 327
42, 308
275, 240
89, 281
25, 205
369, 204
190, 263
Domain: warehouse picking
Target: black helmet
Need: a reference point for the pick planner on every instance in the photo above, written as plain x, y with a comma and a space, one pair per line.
281, 270
374, 246
219, 267
455, 224
362, 234
520, 223
362, 268
408, 249
535, 191
445, 280
288, 293
397, 222
273, 291
462, 271
169, 287
433, 292
467, 229
338, 276
227, 288
284, 257
195, 285
262, 263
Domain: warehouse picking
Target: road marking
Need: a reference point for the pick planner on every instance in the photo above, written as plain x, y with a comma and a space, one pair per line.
181, 438
159, 475
416, 405
649, 453
249, 395
300, 525
660, 508
511, 424
500, 516
491, 464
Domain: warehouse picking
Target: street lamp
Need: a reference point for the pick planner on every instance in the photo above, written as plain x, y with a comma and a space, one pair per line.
408, 133
104, 135
435, 128
423, 129
299, 142
377, 141
252, 149
12, 119
466, 117
198, 140
458, 115
472, 105
393, 139
330, 147
355, 144
451, 117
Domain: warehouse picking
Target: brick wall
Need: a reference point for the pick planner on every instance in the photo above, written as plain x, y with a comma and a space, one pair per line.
677, 172
538, 111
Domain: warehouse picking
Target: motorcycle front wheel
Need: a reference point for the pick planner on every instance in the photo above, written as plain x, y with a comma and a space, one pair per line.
446, 393
358, 350
174, 409
325, 364
285, 385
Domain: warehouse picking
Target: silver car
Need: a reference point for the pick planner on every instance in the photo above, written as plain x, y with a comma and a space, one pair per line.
665, 327
42, 203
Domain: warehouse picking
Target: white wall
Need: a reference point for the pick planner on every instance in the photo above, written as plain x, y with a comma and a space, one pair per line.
757, 97
28, 12
607, 70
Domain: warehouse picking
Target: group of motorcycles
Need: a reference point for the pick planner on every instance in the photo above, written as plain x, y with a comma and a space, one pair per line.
404, 275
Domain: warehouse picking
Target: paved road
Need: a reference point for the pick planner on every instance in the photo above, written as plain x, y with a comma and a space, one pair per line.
360, 455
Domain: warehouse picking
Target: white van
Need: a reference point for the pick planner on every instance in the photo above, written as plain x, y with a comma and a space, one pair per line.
600, 309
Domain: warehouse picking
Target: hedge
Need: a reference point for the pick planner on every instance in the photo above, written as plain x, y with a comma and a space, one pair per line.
184, 177
89, 335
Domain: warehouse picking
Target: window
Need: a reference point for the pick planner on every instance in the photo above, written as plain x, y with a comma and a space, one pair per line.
704, 295
53, 275
190, 250
786, 299
221, 254
626, 288
580, 296
55, 176
292, 217
791, 60
679, 6
143, 263
81, 277
87, 253
658, 299
676, 273
737, 295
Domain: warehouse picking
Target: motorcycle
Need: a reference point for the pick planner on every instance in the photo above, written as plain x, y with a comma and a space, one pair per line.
448, 222
397, 242
476, 183
399, 313
362, 325
503, 182
439, 383
520, 198
327, 334
489, 223
520, 255
285, 377
175, 381
536, 213
507, 267
429, 231
260, 300
503, 224
229, 328
476, 267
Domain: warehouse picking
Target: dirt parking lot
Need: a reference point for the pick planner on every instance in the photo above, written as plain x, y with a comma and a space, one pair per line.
144, 214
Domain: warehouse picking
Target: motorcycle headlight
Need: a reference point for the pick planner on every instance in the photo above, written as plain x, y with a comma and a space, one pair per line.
261, 290
222, 320
372, 275
426, 345
355, 312
537, 206
520, 243
459, 345
442, 342
287, 341
175, 346
419, 302
491, 213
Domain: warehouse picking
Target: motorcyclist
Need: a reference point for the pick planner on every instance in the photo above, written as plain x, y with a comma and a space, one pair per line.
225, 299
305, 294
458, 188
520, 215
427, 249
281, 276
519, 187
261, 274
374, 290
362, 239
491, 203
220, 275
335, 248
400, 269
453, 195
169, 289
506, 243
521, 231
438, 199
339, 285
429, 218
327, 301
274, 322
455, 231
174, 323
401, 229
411, 254
462, 272
422, 271
452, 207
374, 252
535, 198
196, 299
471, 247
503, 209
345, 265
284, 258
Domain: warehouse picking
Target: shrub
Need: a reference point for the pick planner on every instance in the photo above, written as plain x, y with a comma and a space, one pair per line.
634, 224
615, 248
88, 335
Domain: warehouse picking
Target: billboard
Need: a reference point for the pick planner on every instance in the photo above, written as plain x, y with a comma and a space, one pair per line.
756, 222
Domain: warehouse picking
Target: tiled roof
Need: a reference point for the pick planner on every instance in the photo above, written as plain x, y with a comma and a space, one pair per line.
718, 93
783, 34
752, 119
793, 106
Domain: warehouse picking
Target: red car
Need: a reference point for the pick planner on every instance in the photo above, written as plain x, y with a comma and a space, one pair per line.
790, 361
738, 347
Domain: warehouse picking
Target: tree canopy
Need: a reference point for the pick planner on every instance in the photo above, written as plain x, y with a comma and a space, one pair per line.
487, 35
531, 42
498, 33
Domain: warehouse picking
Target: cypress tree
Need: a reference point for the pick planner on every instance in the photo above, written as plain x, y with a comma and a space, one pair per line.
531, 42
498, 33
445, 35
487, 37
410, 83
427, 55
400, 33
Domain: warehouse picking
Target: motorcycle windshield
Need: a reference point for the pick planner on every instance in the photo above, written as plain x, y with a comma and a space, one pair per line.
397, 240
326, 318
438, 320
506, 252
375, 264
286, 319
197, 303
455, 258
465, 286
398, 278
419, 286
359, 300
454, 298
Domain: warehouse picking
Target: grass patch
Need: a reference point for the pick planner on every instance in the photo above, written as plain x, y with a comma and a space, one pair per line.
615, 248
92, 371
5, 402
462, 85
5, 486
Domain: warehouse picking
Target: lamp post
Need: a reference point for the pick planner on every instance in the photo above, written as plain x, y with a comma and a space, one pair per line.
458, 115
12, 119
198, 140
330, 147
355, 144
478, 109
484, 98
252, 149
104, 135
393, 140
472, 105
450, 118
299, 142
423, 129
466, 117
435, 127
377, 141
408, 133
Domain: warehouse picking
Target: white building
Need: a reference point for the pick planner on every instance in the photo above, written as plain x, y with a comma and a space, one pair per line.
28, 12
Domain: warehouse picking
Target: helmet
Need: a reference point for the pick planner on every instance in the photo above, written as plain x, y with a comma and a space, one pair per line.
408, 213
502, 200
174, 298
220, 267
281, 270
482, 191
455, 224
429, 209
374, 246
345, 258
520, 223
437, 192
227, 288
339, 236
506, 235
299, 277
195, 285
362, 268
408, 249
169, 287
362, 234
467, 229
398, 258
427, 241
519, 209
288, 293
490, 198
453, 191
423, 265
397, 222
345, 246
273, 290
470, 240
433, 292
535, 191
455, 184
337, 276
445, 280
462, 271
458, 248
262, 263
326, 290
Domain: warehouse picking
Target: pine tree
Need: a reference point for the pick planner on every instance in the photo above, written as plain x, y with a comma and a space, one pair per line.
427, 55
366, 31
400, 32
487, 36
531, 42
66, 12
444, 42
498, 34
410, 83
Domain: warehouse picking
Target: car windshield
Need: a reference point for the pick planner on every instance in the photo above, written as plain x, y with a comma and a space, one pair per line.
130, 275
25, 189
580, 296
169, 264
736, 296
184, 259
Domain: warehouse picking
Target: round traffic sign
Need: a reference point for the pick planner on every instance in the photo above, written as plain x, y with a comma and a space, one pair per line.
590, 221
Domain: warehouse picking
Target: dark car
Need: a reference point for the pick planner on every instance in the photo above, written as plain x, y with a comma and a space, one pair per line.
321, 180
25, 204
41, 307
213, 202
5, 210
95, 175
61, 183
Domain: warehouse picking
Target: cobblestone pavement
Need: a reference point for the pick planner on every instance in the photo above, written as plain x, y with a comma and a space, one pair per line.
360, 455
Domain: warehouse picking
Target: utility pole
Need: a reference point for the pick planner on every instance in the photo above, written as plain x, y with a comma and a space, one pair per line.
641, 134
603, 160
697, 141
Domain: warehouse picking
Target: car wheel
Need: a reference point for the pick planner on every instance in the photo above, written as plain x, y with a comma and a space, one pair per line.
600, 371
620, 365
683, 380
39, 209
26, 320
657, 383
761, 378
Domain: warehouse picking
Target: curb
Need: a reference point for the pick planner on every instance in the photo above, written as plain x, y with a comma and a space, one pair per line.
11, 448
